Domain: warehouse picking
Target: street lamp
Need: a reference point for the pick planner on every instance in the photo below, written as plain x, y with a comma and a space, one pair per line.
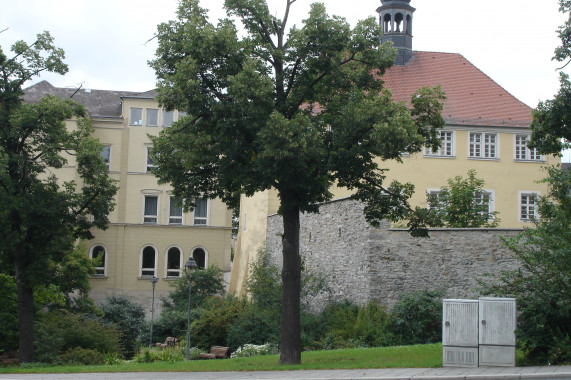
154, 282
188, 268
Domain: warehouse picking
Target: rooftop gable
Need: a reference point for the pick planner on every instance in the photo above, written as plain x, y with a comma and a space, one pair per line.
472, 98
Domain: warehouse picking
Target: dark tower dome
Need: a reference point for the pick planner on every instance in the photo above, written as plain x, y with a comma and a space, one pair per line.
395, 17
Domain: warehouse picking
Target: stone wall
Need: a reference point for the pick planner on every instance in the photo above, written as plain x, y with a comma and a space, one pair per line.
364, 263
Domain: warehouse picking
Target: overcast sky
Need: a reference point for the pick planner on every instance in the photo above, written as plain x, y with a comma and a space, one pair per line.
105, 41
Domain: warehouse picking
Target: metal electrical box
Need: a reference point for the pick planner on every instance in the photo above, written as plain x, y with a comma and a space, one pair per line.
460, 333
479, 333
497, 331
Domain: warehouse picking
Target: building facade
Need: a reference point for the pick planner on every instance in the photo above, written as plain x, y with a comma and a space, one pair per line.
486, 129
149, 234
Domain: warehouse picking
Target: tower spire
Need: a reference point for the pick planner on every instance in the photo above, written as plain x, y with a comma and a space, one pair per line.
395, 17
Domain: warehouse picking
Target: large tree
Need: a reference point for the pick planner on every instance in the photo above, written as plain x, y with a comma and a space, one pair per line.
41, 217
551, 126
296, 110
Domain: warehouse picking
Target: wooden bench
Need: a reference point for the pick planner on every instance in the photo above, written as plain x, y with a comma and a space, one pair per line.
216, 352
169, 342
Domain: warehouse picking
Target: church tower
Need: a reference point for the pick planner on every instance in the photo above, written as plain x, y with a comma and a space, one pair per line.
395, 17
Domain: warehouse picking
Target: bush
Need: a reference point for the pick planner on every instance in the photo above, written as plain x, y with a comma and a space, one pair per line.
254, 326
206, 283
151, 355
128, 317
416, 319
371, 323
86, 356
339, 318
213, 325
59, 331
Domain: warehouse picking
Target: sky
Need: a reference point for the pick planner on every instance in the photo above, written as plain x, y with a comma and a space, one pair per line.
109, 42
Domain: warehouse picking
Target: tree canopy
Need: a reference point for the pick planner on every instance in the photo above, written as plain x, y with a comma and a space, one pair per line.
297, 110
463, 203
551, 126
41, 217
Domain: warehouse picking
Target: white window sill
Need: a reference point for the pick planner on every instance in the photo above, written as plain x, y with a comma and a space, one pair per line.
435, 156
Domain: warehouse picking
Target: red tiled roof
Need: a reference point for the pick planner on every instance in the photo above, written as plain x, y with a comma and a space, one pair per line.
472, 98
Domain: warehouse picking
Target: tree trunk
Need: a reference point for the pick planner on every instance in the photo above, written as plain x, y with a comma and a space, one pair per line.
26, 317
290, 346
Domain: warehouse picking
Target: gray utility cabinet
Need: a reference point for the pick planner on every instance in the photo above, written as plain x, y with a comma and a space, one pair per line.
479, 332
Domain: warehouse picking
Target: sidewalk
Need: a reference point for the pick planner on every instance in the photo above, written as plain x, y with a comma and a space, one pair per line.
448, 373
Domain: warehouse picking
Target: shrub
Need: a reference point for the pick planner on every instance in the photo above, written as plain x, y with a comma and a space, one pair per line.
86, 356
60, 331
371, 323
112, 358
249, 350
339, 318
151, 355
128, 317
217, 314
416, 318
254, 326
205, 284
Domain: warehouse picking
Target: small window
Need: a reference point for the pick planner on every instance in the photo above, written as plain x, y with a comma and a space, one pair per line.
523, 153
98, 255
152, 117
201, 211
106, 155
433, 199
150, 160
485, 199
175, 211
528, 206
181, 114
199, 256
174, 262
148, 262
446, 146
483, 145
168, 117
151, 209
136, 117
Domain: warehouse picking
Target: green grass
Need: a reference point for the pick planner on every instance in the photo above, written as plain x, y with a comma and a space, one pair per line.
418, 356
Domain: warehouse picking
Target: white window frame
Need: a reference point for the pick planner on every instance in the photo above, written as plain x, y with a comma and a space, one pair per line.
149, 164
523, 153
441, 152
102, 269
480, 147
431, 191
141, 269
163, 113
108, 162
181, 267
206, 219
491, 202
520, 205
181, 217
145, 216
138, 122
147, 111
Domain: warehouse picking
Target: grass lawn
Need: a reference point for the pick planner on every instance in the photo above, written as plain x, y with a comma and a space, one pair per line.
418, 356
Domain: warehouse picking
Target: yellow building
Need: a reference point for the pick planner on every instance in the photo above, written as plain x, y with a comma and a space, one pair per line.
486, 130
149, 234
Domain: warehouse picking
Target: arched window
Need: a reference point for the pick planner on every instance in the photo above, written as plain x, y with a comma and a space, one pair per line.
149, 262
387, 23
98, 254
398, 21
174, 262
199, 255
408, 25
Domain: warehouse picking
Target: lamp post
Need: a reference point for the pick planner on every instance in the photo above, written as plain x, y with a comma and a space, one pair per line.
188, 268
154, 282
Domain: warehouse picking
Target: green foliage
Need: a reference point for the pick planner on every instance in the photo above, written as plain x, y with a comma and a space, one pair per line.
254, 326
8, 314
551, 126
264, 283
541, 285
85, 356
169, 355
216, 317
463, 203
40, 217
249, 350
296, 110
206, 283
60, 331
416, 319
127, 317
